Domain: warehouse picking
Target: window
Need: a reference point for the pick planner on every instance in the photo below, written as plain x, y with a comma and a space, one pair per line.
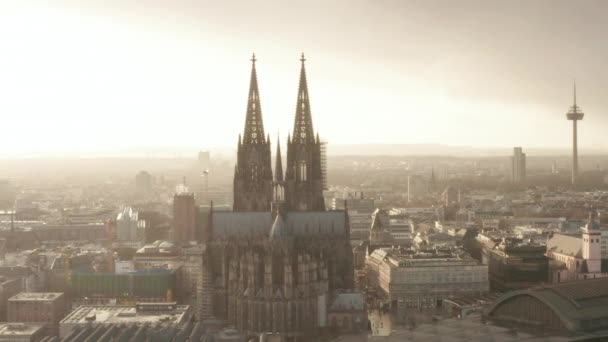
254, 172
303, 173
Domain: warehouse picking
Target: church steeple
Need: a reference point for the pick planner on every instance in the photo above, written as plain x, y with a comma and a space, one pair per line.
254, 125
303, 130
253, 174
303, 173
278, 166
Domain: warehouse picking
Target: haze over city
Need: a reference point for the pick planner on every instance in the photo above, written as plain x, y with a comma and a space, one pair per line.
109, 77
303, 171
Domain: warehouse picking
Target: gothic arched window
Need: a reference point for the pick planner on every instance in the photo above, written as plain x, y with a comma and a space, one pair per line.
254, 172
279, 195
303, 175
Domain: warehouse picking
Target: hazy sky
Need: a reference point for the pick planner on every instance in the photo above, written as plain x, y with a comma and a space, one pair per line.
100, 75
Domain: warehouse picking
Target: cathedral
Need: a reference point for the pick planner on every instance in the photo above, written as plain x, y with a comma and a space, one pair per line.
274, 263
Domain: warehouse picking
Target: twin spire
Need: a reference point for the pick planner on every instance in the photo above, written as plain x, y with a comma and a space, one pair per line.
302, 127
278, 165
254, 125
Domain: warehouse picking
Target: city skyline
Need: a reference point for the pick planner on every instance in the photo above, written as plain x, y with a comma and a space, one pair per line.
118, 75
338, 171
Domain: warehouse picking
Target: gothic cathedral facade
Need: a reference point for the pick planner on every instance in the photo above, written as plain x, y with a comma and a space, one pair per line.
274, 263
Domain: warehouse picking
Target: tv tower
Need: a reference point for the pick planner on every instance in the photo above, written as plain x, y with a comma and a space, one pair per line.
574, 114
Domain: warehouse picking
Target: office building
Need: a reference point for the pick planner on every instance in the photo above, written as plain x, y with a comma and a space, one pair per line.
423, 278
152, 285
417, 188
143, 183
22, 332
516, 264
184, 218
128, 226
8, 288
136, 316
518, 165
359, 209
35, 307
157, 255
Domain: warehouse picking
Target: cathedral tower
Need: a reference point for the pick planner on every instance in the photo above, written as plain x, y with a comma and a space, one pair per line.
253, 172
303, 175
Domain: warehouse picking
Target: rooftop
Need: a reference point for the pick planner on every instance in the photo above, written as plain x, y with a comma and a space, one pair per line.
461, 330
348, 301
573, 301
19, 329
36, 296
140, 332
139, 313
565, 244
441, 256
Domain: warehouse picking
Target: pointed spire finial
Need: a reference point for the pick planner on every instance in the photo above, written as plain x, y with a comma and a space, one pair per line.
278, 167
302, 59
253, 59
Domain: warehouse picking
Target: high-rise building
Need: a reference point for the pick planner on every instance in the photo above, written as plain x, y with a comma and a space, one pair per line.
143, 182
128, 226
184, 218
518, 165
417, 187
360, 211
450, 196
574, 114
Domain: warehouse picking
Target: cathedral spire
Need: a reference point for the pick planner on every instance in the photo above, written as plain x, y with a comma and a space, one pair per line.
278, 167
254, 125
302, 129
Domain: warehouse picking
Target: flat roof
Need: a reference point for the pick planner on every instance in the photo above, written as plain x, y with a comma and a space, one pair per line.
36, 296
19, 329
111, 314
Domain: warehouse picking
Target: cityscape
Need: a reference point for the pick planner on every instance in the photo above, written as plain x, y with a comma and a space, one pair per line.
276, 233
